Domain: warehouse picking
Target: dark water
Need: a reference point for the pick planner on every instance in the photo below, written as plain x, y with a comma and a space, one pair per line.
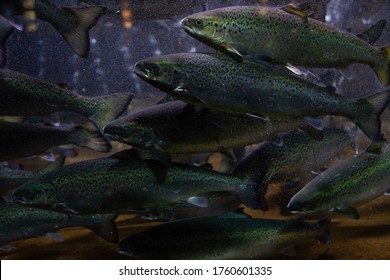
109, 69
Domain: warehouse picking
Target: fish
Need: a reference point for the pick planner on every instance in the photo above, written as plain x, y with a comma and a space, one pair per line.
218, 203
123, 183
6, 29
177, 127
229, 236
218, 82
295, 155
19, 140
23, 95
19, 222
73, 23
284, 36
344, 186
10, 179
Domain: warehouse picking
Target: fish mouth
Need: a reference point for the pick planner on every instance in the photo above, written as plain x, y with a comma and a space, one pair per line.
185, 27
141, 71
21, 200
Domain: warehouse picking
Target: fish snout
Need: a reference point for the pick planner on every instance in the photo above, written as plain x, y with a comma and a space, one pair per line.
140, 70
185, 25
293, 207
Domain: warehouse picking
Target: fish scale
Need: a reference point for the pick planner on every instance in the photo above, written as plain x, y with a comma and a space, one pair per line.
245, 237
351, 183
112, 185
284, 38
219, 82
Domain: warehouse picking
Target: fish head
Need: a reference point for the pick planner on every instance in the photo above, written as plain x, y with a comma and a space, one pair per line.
218, 29
129, 131
160, 71
35, 193
309, 200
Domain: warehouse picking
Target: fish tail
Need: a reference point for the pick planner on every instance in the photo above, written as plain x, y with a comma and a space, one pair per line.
104, 225
252, 196
78, 37
110, 107
325, 225
383, 71
370, 123
5, 32
88, 135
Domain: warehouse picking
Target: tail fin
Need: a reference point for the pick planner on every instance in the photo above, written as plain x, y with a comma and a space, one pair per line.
111, 106
6, 30
383, 71
370, 124
78, 37
87, 135
105, 226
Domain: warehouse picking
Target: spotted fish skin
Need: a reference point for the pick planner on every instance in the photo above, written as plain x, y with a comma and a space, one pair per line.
23, 95
218, 82
113, 185
350, 183
176, 127
20, 222
228, 236
294, 155
284, 38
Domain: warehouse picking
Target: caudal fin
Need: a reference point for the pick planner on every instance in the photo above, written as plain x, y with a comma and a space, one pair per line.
104, 225
88, 135
78, 37
110, 108
383, 71
370, 124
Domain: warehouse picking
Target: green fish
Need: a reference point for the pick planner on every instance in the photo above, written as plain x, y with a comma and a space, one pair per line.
120, 184
71, 22
295, 155
218, 82
285, 36
23, 95
350, 183
218, 203
229, 236
176, 127
13, 178
20, 222
20, 140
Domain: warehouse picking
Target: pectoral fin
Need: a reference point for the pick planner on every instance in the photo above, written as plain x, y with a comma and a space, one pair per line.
347, 211
199, 201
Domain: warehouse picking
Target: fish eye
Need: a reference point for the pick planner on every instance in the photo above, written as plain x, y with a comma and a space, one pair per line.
308, 204
154, 68
120, 131
198, 23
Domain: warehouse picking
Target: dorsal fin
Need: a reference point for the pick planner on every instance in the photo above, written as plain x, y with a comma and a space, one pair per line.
301, 10
372, 34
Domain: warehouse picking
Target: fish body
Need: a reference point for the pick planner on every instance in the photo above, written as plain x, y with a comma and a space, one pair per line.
23, 95
20, 222
22, 139
13, 178
294, 155
218, 203
177, 127
285, 36
72, 23
115, 185
350, 183
228, 236
218, 82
